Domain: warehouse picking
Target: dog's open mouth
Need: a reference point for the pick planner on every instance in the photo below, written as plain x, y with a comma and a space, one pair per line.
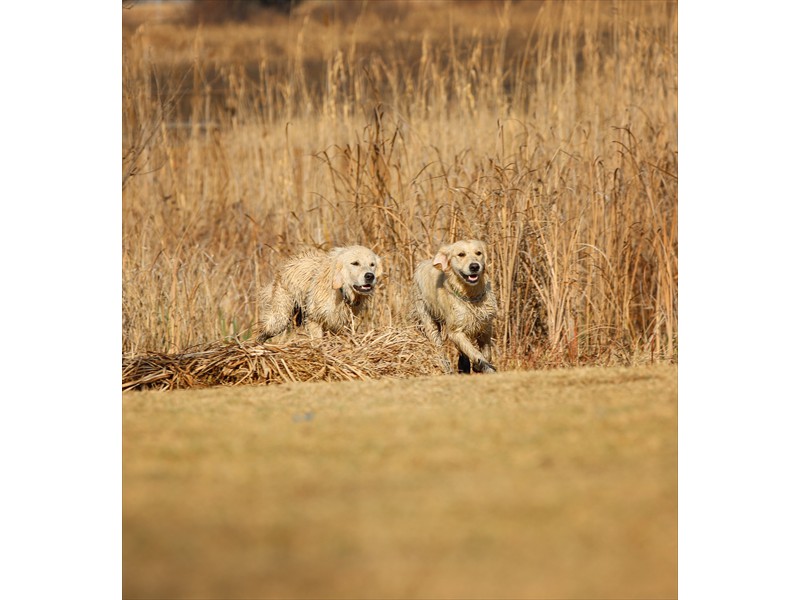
471, 278
363, 289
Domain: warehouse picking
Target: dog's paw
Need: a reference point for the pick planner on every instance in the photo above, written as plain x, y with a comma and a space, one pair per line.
484, 367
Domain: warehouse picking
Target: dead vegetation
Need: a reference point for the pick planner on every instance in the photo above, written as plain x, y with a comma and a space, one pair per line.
549, 130
373, 355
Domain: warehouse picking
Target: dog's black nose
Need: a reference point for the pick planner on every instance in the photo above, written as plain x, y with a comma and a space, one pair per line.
369, 277
474, 267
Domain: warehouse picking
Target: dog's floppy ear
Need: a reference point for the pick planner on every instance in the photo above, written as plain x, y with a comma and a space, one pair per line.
338, 269
442, 259
338, 277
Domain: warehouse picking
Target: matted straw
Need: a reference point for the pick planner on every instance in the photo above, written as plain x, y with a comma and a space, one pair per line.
372, 355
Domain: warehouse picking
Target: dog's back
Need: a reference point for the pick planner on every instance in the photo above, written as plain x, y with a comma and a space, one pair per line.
301, 274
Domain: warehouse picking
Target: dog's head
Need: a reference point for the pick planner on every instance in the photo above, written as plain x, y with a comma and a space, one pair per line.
466, 259
356, 268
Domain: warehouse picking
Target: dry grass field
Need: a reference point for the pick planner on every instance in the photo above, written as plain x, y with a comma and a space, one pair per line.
549, 484
548, 129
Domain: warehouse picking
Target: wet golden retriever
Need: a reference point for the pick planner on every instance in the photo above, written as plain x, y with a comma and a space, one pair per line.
453, 300
321, 291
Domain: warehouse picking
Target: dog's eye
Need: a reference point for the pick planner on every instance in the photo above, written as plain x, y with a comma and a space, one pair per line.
478, 253
462, 254
354, 263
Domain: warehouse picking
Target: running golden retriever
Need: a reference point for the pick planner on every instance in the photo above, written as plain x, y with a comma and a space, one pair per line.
322, 291
453, 300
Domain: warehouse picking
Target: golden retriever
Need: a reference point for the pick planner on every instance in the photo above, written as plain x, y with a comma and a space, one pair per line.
322, 291
453, 300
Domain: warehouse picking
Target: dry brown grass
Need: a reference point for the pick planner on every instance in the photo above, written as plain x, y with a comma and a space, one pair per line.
547, 129
373, 355
536, 484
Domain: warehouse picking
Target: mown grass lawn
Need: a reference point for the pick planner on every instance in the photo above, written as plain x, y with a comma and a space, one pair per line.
554, 484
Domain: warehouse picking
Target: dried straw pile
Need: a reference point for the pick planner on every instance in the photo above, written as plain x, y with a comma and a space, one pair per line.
385, 353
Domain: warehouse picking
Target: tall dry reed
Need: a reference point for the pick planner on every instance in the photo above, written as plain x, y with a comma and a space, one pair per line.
548, 130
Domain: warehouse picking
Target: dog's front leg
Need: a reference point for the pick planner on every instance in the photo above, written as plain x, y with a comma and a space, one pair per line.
432, 331
468, 349
487, 347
